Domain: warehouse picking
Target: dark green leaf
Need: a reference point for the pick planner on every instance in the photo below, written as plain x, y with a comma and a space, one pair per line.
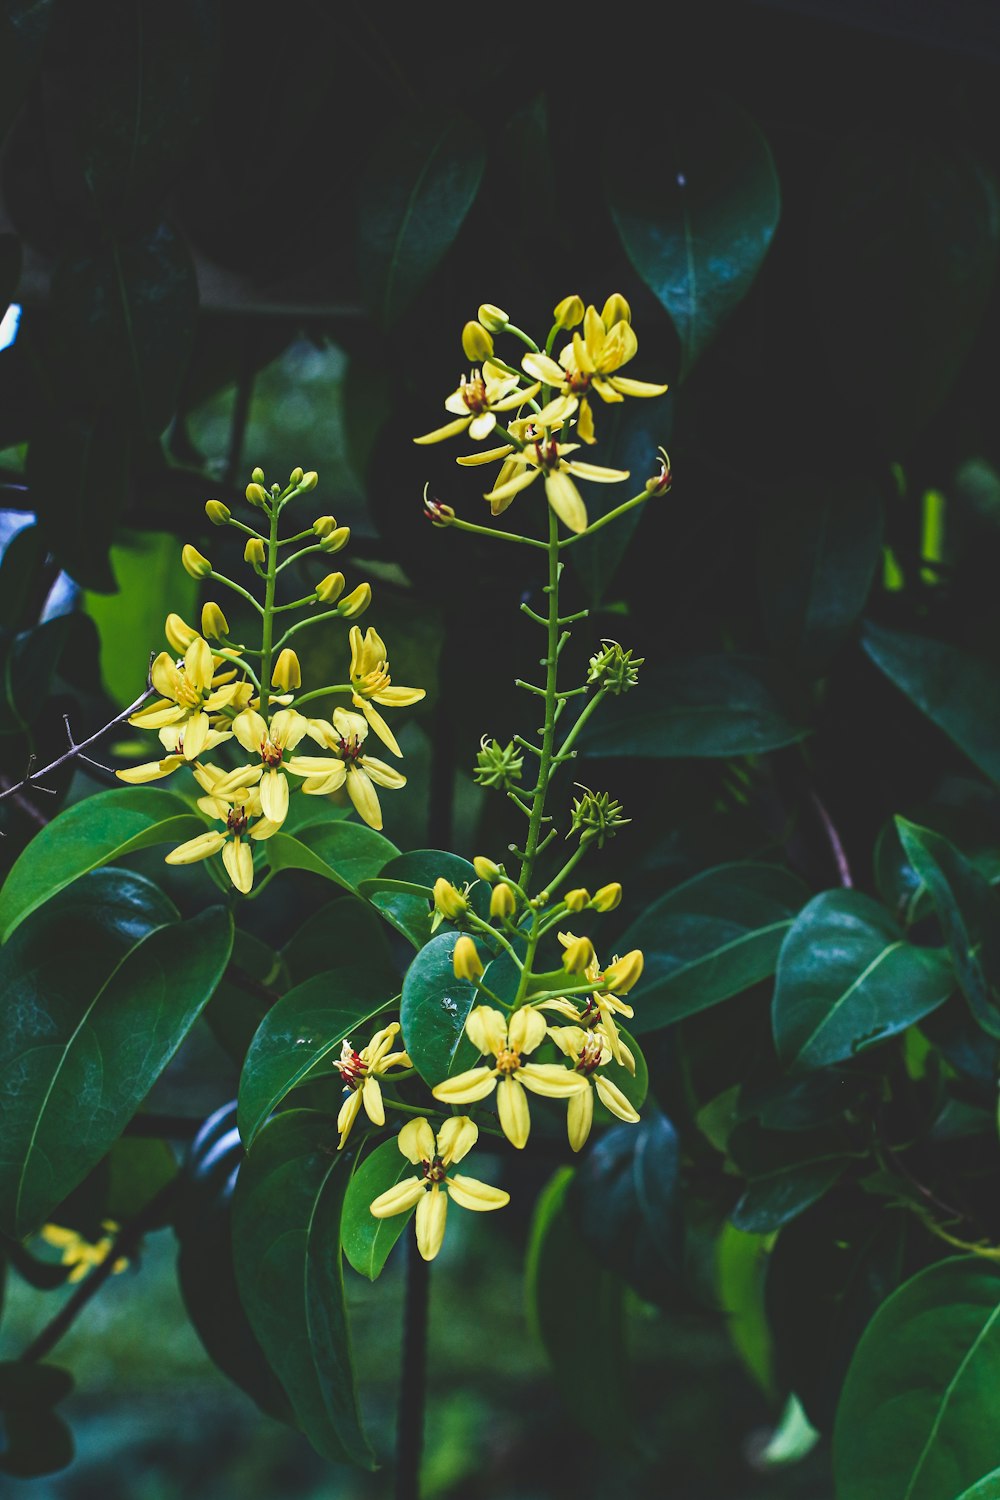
93, 832
77, 470
419, 185
741, 1266
82, 1061
817, 549
410, 913
22, 560
960, 693
30, 660
341, 851
709, 939
969, 912
905, 239
848, 979
988, 1488
38, 1441
343, 925
585, 1349
365, 1239
300, 1037
703, 706
286, 1246
775, 1198
434, 1010
916, 1416
698, 225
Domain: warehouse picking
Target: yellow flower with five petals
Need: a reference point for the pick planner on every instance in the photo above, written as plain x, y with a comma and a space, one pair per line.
272, 741
509, 1044
240, 810
599, 1009
588, 1051
189, 693
477, 399
371, 683
345, 735
360, 1072
546, 456
437, 1183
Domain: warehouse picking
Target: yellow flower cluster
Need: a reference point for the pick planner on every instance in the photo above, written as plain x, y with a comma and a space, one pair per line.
211, 700
83, 1255
551, 397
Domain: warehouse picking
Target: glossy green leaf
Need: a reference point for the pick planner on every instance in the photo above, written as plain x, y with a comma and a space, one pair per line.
341, 851
366, 1240
300, 1037
82, 1061
92, 832
710, 938
847, 979
712, 706
741, 1262
969, 912
344, 925
773, 1199
419, 185
286, 1248
28, 662
818, 545
905, 237
917, 1413
38, 1440
409, 912
959, 692
987, 1488
23, 558
696, 210
586, 1350
434, 1010
130, 622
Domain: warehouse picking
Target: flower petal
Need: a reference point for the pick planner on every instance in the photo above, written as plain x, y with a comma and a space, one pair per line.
512, 1107
466, 1088
432, 1211
362, 793
551, 1079
202, 847
250, 728
542, 367
399, 1199
238, 860
486, 1028
456, 1138
527, 1029
612, 1097
371, 1098
151, 770
274, 796
566, 500
468, 1192
580, 1117
379, 725
416, 1140
628, 387
450, 429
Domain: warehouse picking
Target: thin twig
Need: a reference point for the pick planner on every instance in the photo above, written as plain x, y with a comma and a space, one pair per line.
833, 839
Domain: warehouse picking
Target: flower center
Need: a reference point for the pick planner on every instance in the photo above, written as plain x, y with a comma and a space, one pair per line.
350, 749
591, 1013
474, 394
237, 821
547, 454
270, 753
351, 1066
434, 1171
508, 1060
590, 1057
578, 380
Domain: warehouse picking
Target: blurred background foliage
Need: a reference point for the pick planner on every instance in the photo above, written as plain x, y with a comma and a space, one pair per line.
239, 235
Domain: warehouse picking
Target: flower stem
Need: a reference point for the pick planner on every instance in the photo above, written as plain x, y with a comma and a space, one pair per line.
550, 694
612, 515
268, 630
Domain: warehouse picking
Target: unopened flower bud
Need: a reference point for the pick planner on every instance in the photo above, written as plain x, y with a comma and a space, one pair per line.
323, 525
492, 317
330, 588
577, 900
438, 512
502, 903
624, 972
578, 955
253, 552
257, 476
477, 344
615, 310
214, 624
295, 477
448, 900
309, 481
660, 482
257, 495
466, 960
486, 869
608, 897
216, 512
287, 674
179, 634
356, 602
194, 563
569, 312
337, 540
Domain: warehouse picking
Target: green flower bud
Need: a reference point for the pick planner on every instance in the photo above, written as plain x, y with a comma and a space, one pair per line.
356, 602
214, 624
179, 634
569, 312
448, 900
608, 897
194, 563
287, 674
257, 495
624, 972
295, 477
216, 512
486, 869
492, 317
257, 476
502, 903
323, 525
577, 900
466, 961
476, 343
336, 540
578, 955
330, 588
253, 552
309, 481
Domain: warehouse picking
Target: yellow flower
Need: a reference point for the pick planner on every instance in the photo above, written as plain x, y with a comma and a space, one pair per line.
466, 962
599, 1009
372, 684
489, 1031
272, 742
416, 1141
588, 1051
239, 808
545, 456
81, 1254
345, 736
477, 399
360, 1072
591, 362
190, 693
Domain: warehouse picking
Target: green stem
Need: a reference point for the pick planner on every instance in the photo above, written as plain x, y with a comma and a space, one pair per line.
237, 589
238, 661
475, 920
573, 860
501, 536
272, 574
589, 708
303, 552
330, 614
612, 515
550, 693
338, 687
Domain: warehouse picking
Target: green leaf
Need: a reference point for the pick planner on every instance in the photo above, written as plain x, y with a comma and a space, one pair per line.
969, 912
434, 1009
366, 1240
917, 1413
29, 661
586, 1351
38, 1440
343, 925
712, 706
409, 912
82, 1061
301, 1035
78, 472
93, 832
818, 545
150, 586
987, 1488
773, 1199
905, 237
420, 182
710, 938
959, 692
286, 1248
698, 227
847, 979
341, 851
23, 558
741, 1268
